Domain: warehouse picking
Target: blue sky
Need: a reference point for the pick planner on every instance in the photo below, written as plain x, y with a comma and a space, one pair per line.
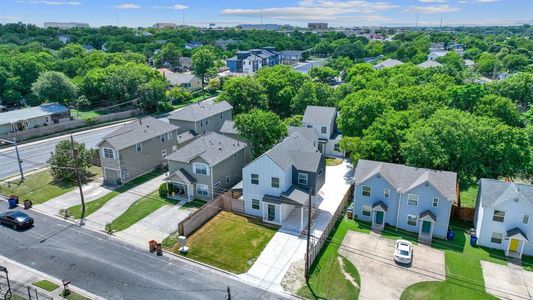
135, 13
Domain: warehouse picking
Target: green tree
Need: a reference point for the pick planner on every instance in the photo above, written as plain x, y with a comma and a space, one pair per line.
295, 120
465, 97
263, 129
170, 54
178, 95
515, 62
498, 107
322, 74
488, 65
54, 86
452, 59
152, 96
203, 64
359, 110
374, 48
62, 161
518, 88
244, 93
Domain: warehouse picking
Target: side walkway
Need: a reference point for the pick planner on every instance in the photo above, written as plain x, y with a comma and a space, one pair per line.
286, 247
119, 204
91, 191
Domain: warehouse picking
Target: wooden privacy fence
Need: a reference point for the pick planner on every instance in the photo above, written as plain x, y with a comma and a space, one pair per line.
463, 213
318, 242
208, 211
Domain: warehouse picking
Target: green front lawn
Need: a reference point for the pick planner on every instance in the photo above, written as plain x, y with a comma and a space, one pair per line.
327, 280
333, 161
92, 206
195, 203
140, 209
75, 296
85, 114
46, 285
228, 241
40, 187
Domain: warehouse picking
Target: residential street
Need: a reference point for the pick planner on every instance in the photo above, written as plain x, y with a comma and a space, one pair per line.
34, 154
109, 268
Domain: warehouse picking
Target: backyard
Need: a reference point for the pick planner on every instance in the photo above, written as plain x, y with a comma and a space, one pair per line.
468, 194
40, 186
228, 241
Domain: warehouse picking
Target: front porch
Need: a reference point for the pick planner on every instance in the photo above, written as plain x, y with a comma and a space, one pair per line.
288, 210
516, 242
379, 209
427, 223
180, 185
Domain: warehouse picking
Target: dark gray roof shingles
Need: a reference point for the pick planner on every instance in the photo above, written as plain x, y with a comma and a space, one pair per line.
199, 111
138, 131
494, 192
319, 115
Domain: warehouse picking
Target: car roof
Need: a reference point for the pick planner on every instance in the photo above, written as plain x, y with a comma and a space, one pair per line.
17, 214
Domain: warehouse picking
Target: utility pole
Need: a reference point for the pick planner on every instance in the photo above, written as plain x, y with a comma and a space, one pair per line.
14, 142
307, 259
229, 293
78, 175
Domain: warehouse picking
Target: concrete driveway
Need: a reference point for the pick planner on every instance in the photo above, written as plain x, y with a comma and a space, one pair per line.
507, 281
381, 277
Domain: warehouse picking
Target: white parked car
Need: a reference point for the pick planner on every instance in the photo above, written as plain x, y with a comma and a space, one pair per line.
403, 252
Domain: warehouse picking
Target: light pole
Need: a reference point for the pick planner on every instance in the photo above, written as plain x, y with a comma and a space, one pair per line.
14, 143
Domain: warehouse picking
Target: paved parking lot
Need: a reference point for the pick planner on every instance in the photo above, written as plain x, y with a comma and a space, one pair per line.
381, 277
507, 281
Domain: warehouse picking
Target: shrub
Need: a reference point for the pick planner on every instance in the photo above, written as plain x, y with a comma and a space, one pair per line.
163, 190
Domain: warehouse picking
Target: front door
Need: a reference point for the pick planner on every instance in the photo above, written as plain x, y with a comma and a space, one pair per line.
513, 246
271, 212
426, 227
379, 217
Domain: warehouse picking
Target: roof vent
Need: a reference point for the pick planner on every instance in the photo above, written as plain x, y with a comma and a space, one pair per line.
378, 176
220, 148
515, 199
427, 184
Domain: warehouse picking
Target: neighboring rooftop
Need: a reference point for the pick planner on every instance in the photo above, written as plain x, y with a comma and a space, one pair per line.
388, 63
176, 78
429, 64
439, 53
42, 110
296, 150
404, 178
309, 133
228, 127
137, 131
319, 115
201, 110
212, 148
494, 192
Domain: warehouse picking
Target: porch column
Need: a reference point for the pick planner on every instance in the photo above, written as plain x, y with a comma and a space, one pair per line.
432, 227
508, 245
522, 243
166, 182
301, 218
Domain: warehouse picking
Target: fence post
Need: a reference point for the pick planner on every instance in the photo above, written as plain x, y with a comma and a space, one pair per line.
29, 292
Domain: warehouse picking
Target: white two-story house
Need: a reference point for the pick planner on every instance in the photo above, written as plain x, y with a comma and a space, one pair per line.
503, 213
323, 120
278, 185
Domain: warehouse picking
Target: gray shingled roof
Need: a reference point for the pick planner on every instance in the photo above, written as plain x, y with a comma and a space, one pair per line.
309, 133
494, 192
212, 148
199, 111
293, 196
186, 136
319, 114
137, 131
388, 63
381, 205
31, 112
429, 214
297, 151
429, 64
181, 175
516, 231
404, 178
228, 127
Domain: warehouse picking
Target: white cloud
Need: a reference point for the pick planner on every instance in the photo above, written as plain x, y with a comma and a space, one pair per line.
433, 1
462, 1
487, 1
175, 6
127, 6
57, 3
435, 9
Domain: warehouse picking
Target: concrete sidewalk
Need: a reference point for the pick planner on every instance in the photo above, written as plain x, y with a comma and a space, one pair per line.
156, 226
120, 203
91, 191
20, 274
286, 247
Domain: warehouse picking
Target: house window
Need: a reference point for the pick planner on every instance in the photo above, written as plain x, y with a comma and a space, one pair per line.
206, 121
109, 153
200, 168
386, 193
234, 155
337, 148
163, 153
367, 191
202, 189
255, 179
525, 219
435, 201
324, 129
303, 178
411, 220
221, 115
46, 119
217, 184
496, 238
125, 174
320, 172
139, 147
255, 204
367, 210
227, 178
309, 126
275, 182
412, 199
163, 138
498, 216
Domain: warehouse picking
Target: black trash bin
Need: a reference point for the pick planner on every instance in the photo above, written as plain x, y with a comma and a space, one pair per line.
28, 204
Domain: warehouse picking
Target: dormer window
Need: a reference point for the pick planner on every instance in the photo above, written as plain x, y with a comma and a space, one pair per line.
324, 129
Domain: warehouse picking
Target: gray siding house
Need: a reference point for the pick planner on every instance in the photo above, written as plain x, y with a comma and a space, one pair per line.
323, 119
136, 149
413, 199
206, 166
277, 185
502, 219
33, 117
202, 117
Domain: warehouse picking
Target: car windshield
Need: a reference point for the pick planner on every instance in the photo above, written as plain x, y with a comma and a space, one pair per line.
21, 218
404, 252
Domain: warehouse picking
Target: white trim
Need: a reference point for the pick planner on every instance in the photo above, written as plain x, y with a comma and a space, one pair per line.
113, 153
198, 185
417, 199
306, 178
196, 165
258, 204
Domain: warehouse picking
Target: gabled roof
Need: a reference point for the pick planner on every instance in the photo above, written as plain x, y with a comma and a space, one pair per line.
388, 63
379, 205
516, 232
439, 53
319, 115
495, 192
186, 136
136, 132
296, 151
177, 78
428, 215
181, 175
213, 148
199, 111
296, 194
31, 112
429, 64
309, 133
404, 178
228, 127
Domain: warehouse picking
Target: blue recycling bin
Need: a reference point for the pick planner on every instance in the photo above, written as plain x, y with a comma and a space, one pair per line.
12, 203
451, 234
473, 240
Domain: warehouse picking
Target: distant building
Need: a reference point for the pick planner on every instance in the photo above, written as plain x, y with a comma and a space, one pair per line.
436, 54
388, 63
225, 43
188, 82
253, 60
317, 26
291, 57
429, 64
260, 26
165, 25
33, 117
64, 38
185, 64
65, 25
192, 45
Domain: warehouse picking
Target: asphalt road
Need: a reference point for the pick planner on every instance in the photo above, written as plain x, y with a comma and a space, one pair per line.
112, 269
35, 154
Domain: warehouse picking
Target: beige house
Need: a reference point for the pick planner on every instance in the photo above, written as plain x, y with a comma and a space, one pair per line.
189, 82
136, 149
